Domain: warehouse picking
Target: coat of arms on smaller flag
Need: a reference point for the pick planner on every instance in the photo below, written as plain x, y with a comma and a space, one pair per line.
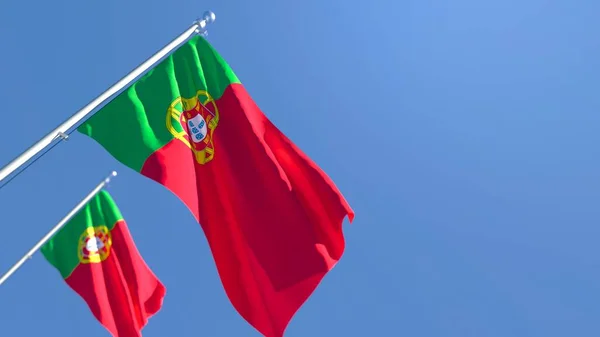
94, 244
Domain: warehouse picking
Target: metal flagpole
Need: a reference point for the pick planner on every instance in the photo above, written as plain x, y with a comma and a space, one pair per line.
60, 132
58, 226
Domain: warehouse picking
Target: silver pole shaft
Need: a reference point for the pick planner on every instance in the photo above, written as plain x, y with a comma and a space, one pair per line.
58, 226
199, 27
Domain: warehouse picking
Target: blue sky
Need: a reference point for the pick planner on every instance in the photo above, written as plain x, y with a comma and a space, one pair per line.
463, 133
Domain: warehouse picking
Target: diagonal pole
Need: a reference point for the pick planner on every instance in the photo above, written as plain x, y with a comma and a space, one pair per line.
56, 228
61, 132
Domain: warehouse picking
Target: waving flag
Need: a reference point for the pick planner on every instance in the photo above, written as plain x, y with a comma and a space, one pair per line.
272, 217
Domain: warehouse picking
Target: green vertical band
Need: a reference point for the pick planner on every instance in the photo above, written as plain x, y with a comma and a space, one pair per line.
62, 249
133, 125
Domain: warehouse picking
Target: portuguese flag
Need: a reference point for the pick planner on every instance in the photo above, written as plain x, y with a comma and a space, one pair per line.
97, 257
272, 217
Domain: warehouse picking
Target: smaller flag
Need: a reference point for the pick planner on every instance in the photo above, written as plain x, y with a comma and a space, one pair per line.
97, 258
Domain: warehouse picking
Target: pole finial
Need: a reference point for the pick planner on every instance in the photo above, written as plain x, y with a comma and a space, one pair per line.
112, 175
207, 18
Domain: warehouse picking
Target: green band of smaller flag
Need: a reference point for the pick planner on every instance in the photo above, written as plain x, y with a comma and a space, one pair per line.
62, 250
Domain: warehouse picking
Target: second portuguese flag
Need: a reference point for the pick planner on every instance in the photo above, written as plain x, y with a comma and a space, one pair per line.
272, 217
97, 257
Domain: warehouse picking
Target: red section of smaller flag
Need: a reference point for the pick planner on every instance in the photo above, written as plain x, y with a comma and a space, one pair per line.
272, 217
121, 291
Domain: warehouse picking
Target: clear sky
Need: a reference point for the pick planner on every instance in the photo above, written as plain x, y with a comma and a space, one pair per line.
463, 133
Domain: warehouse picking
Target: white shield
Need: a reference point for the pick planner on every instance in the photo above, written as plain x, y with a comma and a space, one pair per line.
94, 244
197, 128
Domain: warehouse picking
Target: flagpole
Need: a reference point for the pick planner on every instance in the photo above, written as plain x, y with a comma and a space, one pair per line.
61, 132
58, 226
